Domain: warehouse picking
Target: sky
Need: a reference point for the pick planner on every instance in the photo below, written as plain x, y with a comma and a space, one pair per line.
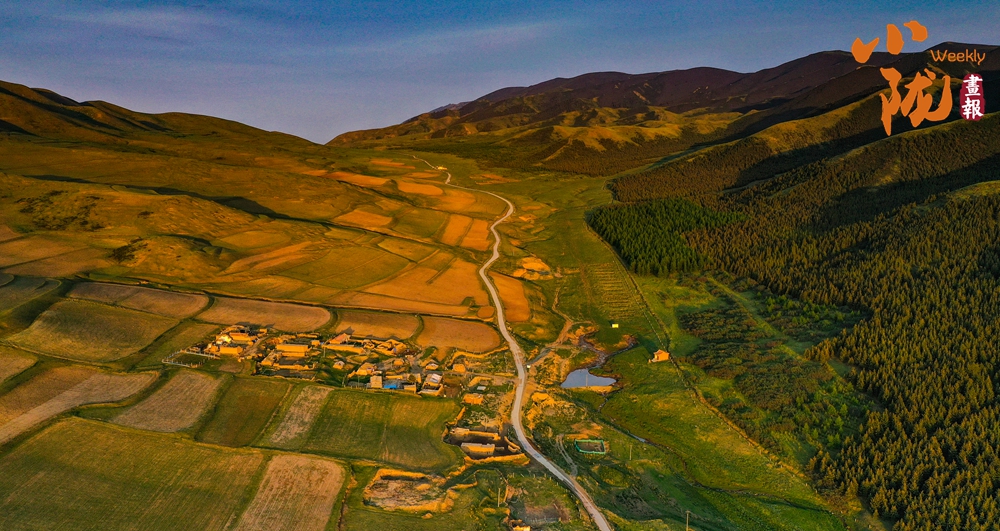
316, 69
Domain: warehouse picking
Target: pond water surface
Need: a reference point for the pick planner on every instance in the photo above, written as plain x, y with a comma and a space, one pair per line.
583, 378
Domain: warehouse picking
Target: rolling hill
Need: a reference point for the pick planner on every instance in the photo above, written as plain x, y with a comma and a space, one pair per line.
828, 293
608, 122
782, 186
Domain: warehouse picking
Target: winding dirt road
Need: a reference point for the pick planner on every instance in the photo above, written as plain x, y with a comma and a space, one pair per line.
522, 375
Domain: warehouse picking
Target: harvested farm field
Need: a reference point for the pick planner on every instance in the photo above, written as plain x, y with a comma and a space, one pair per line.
471, 336
408, 187
279, 315
255, 239
349, 267
97, 389
515, 304
20, 290
392, 428
297, 493
32, 248
243, 411
175, 406
166, 303
294, 426
478, 237
92, 332
91, 476
458, 225
367, 220
13, 362
450, 283
382, 325
40, 389
369, 300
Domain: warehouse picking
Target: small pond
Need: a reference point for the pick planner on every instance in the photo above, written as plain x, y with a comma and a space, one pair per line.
583, 378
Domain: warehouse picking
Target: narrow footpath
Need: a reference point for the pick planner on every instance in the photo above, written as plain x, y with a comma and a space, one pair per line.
522, 376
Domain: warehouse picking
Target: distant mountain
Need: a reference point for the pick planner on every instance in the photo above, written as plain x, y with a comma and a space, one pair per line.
41, 113
607, 122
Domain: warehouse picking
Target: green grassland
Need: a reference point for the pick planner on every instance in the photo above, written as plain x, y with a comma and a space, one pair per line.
690, 459
406, 431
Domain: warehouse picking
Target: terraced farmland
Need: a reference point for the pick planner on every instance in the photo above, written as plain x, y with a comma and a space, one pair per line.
614, 292
391, 428
19, 290
40, 389
13, 362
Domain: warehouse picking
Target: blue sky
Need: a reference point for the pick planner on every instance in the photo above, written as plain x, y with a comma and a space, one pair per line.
317, 69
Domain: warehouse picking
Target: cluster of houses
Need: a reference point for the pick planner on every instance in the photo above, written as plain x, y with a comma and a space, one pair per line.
395, 374
236, 340
347, 344
293, 354
368, 362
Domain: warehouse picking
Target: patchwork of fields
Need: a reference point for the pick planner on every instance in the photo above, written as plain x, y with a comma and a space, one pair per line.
359, 240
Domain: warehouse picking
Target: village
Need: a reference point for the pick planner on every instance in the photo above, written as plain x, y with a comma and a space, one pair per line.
370, 364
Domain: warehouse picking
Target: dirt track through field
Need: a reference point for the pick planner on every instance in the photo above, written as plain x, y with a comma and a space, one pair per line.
173, 407
300, 417
99, 388
297, 493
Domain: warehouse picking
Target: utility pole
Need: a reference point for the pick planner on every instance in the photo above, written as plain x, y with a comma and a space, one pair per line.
687, 521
